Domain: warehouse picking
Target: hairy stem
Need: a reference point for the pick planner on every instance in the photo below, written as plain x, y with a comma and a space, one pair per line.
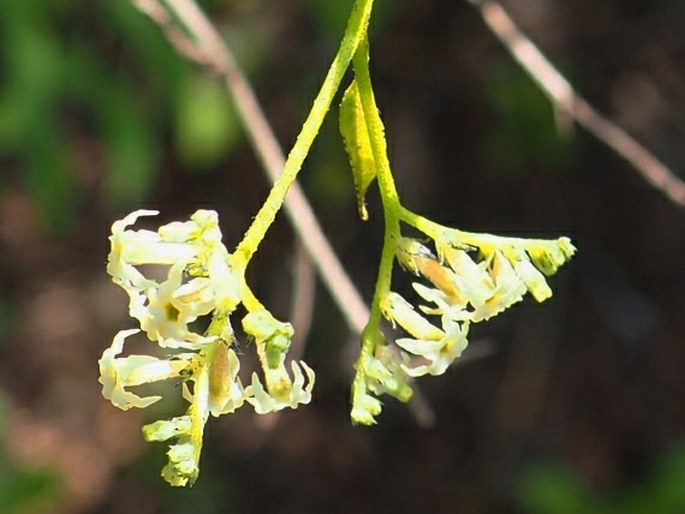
385, 179
436, 231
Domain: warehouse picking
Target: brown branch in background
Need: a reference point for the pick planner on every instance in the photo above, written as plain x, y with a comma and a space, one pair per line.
178, 39
566, 100
302, 301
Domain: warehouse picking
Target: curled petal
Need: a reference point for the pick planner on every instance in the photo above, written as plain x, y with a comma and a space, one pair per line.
118, 267
400, 311
301, 394
471, 278
509, 289
534, 280
365, 407
136, 247
165, 318
265, 401
118, 373
439, 354
262, 402
120, 226
456, 312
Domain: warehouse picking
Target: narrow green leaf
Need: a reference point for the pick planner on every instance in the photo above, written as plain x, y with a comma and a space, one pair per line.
357, 145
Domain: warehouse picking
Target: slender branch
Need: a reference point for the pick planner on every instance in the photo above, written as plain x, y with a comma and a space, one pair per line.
566, 100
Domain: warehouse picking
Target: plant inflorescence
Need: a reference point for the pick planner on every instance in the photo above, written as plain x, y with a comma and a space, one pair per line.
462, 278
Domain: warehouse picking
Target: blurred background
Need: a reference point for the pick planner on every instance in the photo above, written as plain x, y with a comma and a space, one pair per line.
579, 406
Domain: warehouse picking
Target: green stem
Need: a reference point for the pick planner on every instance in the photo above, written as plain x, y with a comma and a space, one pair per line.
355, 31
386, 184
439, 232
430, 228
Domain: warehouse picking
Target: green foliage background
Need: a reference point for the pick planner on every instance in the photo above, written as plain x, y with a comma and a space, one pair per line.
99, 116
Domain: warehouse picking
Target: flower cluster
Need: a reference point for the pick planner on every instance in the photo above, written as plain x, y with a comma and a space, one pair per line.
198, 283
473, 278
379, 371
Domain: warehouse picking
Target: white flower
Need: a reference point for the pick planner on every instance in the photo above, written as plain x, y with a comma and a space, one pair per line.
171, 306
509, 289
118, 373
131, 248
440, 354
365, 407
282, 391
398, 310
471, 279
439, 347
199, 283
532, 278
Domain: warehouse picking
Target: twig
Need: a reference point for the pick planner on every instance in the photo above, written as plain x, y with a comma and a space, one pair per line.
566, 100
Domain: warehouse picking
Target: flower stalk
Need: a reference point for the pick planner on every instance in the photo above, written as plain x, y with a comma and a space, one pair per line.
472, 278
185, 309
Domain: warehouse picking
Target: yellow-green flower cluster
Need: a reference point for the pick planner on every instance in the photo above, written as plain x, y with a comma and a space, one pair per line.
195, 280
473, 278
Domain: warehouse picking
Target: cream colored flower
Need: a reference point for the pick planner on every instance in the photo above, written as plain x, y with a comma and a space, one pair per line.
171, 306
439, 354
466, 289
439, 347
272, 340
533, 279
118, 373
509, 288
198, 285
130, 248
281, 391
